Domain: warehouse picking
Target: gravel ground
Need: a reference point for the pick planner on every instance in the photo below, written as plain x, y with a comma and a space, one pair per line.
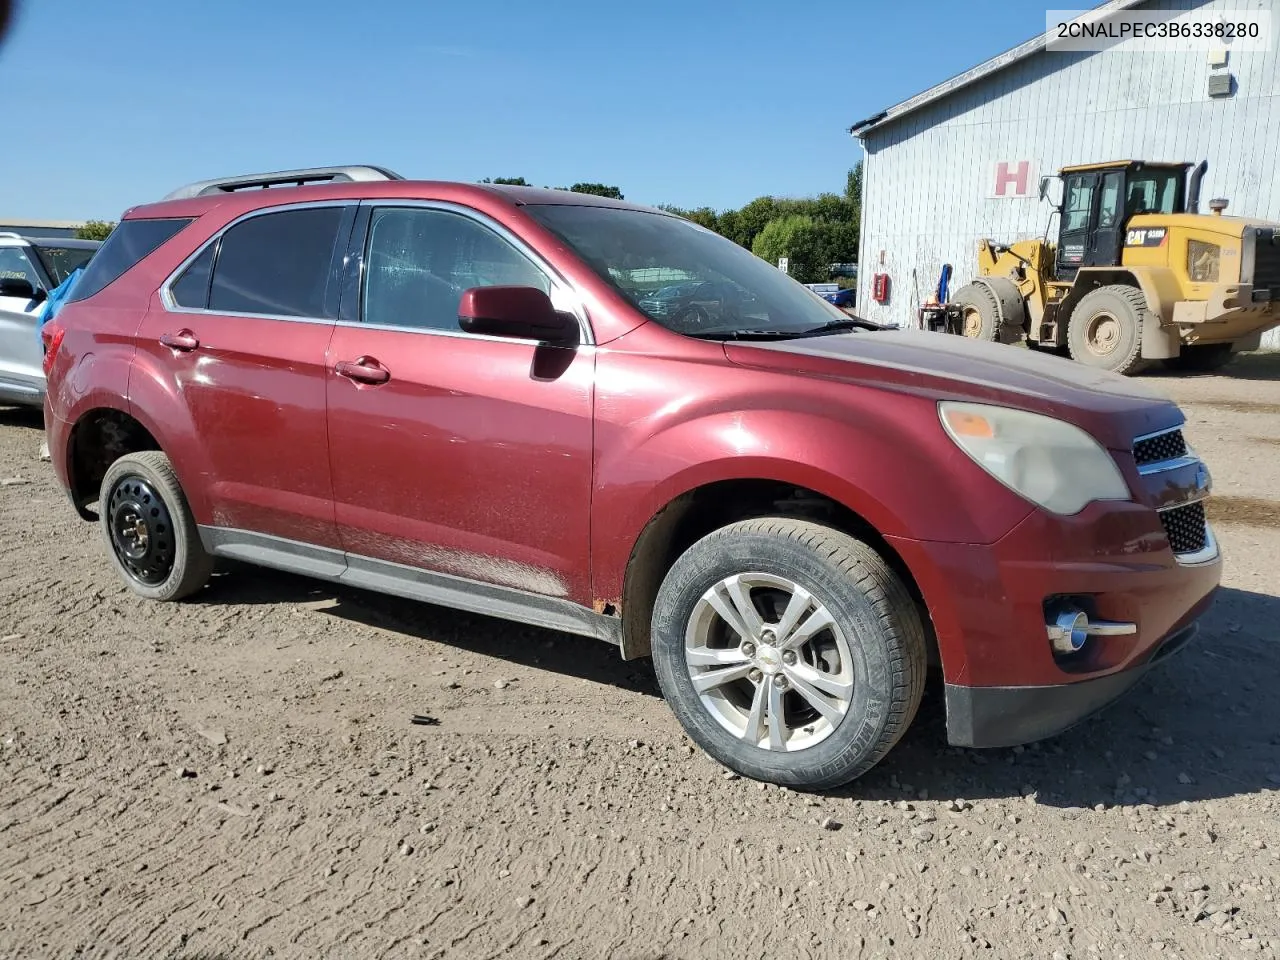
238, 777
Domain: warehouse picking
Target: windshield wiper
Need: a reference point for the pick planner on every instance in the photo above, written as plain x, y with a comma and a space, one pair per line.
840, 326
749, 334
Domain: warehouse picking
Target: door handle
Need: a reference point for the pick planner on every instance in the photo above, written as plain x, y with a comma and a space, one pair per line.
362, 370
183, 340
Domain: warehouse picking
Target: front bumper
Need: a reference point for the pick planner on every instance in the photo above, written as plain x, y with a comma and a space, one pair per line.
987, 605
1008, 716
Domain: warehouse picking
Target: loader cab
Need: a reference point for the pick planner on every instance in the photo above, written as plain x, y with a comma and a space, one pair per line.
1098, 200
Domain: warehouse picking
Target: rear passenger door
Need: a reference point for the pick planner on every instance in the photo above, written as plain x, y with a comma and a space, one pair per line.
238, 340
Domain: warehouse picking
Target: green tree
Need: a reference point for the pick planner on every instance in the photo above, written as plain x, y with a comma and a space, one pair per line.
94, 230
597, 190
811, 245
508, 181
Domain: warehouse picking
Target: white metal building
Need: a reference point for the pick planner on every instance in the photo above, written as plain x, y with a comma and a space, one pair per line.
962, 160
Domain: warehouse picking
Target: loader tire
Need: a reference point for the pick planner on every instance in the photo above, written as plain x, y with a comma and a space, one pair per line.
1105, 329
980, 315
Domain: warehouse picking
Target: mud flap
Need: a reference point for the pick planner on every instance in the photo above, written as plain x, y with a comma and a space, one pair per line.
1159, 341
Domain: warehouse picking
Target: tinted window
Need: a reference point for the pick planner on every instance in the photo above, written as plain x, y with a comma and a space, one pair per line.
418, 263
276, 264
61, 262
192, 288
1079, 204
128, 243
1109, 211
14, 265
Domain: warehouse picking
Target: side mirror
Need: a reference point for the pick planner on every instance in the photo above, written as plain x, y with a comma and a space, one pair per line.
20, 287
523, 313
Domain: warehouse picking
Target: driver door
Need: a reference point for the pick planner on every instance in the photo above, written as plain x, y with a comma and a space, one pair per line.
457, 453
1105, 242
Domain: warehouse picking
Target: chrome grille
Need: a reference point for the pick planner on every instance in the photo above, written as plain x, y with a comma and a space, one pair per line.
1185, 527
1158, 447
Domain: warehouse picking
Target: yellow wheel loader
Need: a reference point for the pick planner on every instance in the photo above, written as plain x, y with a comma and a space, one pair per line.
1137, 274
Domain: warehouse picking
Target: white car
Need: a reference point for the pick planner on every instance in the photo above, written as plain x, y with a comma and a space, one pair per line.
29, 269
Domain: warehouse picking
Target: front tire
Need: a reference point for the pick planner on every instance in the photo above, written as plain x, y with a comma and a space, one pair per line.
151, 535
790, 652
1105, 329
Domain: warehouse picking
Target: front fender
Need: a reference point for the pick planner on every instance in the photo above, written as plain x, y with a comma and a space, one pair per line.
896, 469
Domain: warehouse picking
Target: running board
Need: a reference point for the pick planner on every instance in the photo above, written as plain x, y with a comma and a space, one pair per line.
413, 583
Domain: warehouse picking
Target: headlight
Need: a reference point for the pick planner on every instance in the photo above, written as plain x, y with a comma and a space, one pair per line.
1202, 261
1051, 463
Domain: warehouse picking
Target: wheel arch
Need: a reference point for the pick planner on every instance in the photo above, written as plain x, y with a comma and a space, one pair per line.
99, 436
696, 512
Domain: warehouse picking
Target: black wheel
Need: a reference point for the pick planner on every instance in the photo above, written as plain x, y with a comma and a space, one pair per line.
789, 651
1105, 329
1201, 358
150, 533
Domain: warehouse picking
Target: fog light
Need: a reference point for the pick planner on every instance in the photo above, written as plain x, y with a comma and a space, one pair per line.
1068, 631
1069, 628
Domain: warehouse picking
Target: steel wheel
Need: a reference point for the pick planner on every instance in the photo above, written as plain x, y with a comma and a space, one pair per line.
141, 531
1102, 334
972, 322
769, 662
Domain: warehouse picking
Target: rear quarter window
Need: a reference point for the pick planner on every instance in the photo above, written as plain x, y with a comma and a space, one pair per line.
128, 244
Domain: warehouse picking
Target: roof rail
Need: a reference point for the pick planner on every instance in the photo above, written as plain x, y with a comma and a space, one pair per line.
10, 235
282, 178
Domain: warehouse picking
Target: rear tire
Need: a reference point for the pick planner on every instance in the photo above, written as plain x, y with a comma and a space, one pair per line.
1105, 329
151, 535
812, 606
1201, 358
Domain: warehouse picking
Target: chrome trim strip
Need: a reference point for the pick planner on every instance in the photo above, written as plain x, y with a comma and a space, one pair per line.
1164, 466
1206, 554
1185, 503
557, 281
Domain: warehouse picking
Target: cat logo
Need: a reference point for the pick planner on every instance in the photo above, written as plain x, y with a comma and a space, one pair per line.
1145, 237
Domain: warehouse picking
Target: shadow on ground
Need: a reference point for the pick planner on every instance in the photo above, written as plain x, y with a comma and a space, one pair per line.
30, 417
1204, 724
1245, 366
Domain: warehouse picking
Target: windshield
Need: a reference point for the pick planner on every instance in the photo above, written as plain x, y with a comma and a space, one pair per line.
61, 261
1153, 191
685, 277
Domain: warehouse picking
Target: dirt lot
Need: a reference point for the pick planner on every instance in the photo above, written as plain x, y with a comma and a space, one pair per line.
238, 777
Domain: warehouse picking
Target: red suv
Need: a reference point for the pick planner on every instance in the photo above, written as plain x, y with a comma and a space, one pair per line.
475, 396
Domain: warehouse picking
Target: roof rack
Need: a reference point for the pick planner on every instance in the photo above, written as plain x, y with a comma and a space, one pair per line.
282, 178
10, 235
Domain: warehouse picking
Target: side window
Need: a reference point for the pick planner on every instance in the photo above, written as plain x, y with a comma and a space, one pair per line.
16, 265
276, 264
1109, 206
127, 244
1075, 215
192, 288
418, 262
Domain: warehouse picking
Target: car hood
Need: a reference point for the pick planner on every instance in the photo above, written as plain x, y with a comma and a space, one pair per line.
949, 367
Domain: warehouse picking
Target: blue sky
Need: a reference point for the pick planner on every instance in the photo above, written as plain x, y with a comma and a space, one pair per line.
688, 103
